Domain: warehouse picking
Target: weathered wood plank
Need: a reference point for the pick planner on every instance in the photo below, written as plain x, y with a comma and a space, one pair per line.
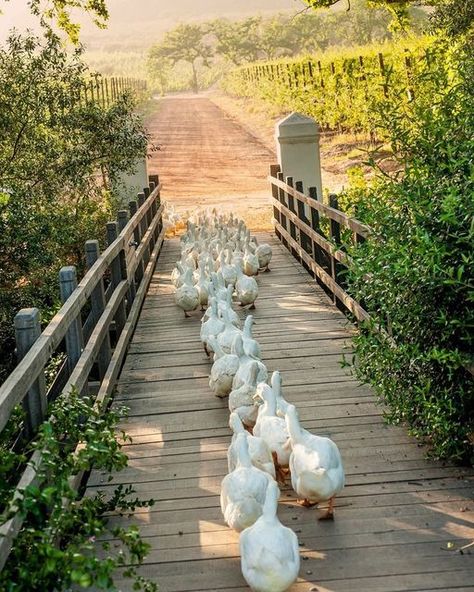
393, 519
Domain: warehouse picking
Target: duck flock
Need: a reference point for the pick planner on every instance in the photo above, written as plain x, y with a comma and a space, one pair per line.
219, 263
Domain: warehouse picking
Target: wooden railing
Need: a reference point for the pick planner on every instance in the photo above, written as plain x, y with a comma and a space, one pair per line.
299, 221
90, 333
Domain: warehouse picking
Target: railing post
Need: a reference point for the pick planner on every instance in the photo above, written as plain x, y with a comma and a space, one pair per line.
274, 170
27, 330
74, 337
137, 237
305, 241
143, 227
154, 209
149, 219
122, 219
291, 207
98, 305
282, 200
335, 233
116, 271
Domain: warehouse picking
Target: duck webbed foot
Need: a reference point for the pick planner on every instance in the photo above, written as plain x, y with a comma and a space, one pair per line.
306, 503
329, 515
279, 471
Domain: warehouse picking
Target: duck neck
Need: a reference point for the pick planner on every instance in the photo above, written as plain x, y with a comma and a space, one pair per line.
270, 506
269, 405
293, 425
236, 423
243, 455
248, 327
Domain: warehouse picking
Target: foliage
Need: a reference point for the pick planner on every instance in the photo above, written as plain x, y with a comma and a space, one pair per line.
59, 545
58, 158
340, 89
251, 39
58, 12
420, 261
185, 43
237, 41
456, 17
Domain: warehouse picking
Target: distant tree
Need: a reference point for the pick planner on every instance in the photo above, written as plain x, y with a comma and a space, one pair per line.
185, 43
59, 12
456, 17
238, 41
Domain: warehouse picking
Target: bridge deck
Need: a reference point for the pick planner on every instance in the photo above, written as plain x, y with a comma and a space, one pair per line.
393, 519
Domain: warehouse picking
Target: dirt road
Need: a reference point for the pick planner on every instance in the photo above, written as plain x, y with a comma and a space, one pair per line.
208, 159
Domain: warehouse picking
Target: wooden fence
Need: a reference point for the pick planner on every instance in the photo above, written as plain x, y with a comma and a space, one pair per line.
311, 230
105, 91
90, 333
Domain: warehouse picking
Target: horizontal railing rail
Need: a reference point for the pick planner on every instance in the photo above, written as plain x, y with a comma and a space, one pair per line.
111, 293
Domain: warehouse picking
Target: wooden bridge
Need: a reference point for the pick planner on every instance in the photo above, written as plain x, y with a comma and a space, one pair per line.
399, 516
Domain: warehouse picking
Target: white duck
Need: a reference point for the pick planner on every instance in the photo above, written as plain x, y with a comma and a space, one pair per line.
282, 403
251, 345
177, 273
264, 254
242, 376
246, 288
202, 286
226, 304
273, 430
260, 454
187, 296
317, 473
244, 490
227, 337
229, 272
241, 400
250, 261
212, 327
223, 370
269, 551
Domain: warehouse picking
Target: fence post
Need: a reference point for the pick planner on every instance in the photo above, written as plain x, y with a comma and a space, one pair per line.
297, 138
97, 307
116, 272
122, 219
305, 241
27, 330
137, 237
335, 233
74, 337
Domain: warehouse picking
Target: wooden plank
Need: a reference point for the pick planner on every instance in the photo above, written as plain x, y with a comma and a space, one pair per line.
397, 511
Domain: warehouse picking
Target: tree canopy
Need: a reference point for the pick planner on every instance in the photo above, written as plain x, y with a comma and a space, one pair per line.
185, 43
58, 12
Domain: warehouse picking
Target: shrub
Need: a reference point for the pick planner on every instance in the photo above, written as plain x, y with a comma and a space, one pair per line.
420, 262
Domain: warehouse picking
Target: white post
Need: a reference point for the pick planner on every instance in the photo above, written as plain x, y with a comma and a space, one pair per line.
297, 139
129, 185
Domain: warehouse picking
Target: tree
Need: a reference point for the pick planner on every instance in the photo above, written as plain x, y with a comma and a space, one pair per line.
53, 144
59, 12
238, 41
185, 43
456, 17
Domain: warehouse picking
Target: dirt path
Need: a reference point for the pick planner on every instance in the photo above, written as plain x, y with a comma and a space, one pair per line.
208, 159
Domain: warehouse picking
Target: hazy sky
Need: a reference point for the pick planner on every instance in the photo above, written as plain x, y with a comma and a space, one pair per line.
143, 16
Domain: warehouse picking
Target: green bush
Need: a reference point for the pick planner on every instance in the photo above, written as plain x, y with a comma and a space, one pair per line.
59, 156
415, 274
